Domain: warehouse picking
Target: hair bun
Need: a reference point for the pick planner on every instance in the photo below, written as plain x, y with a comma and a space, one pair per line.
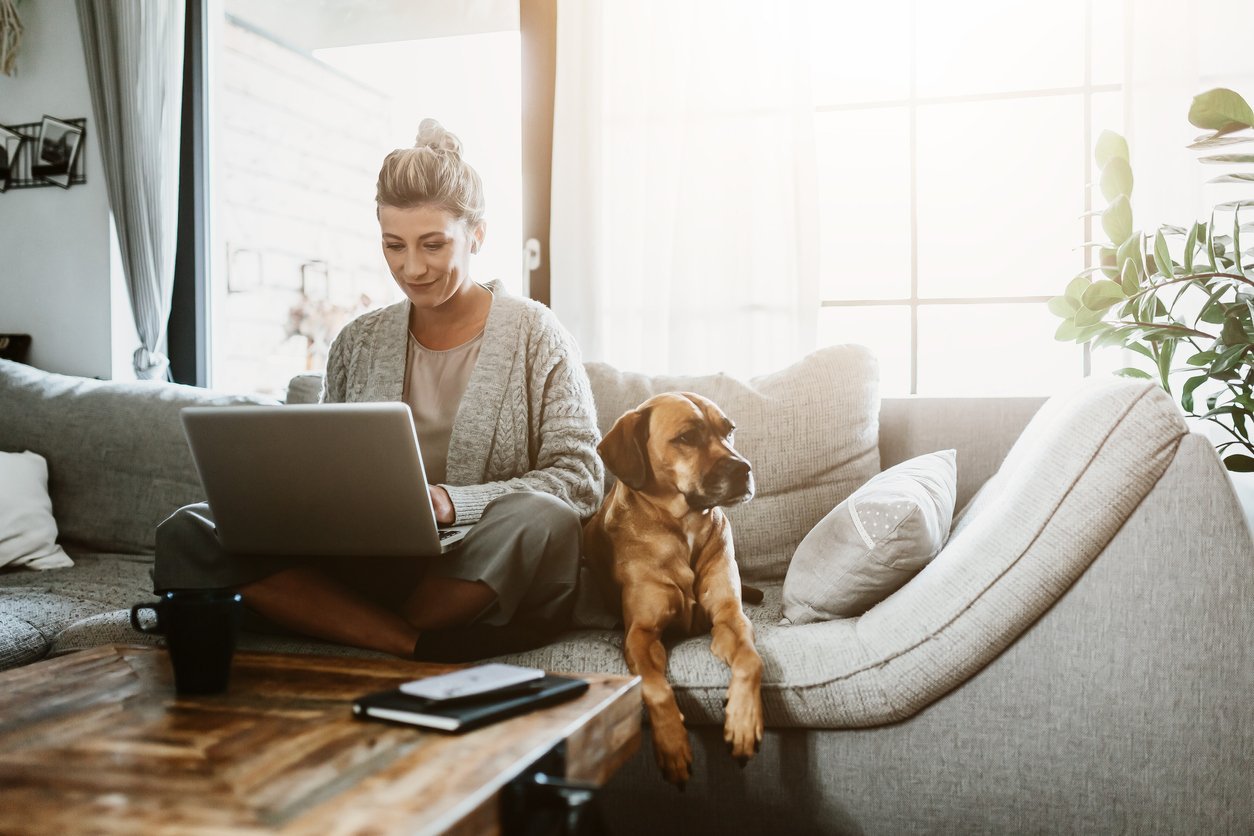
431, 134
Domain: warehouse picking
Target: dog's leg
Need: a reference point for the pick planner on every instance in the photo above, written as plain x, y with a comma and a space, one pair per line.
719, 595
646, 657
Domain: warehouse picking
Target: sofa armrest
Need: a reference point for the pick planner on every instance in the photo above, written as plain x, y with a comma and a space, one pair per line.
982, 430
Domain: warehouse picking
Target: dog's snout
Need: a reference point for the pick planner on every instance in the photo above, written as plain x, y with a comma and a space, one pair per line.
732, 468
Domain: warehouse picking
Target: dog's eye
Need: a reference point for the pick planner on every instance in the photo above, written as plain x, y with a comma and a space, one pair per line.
689, 437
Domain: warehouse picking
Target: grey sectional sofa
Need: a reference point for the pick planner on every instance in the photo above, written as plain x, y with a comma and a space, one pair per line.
1080, 657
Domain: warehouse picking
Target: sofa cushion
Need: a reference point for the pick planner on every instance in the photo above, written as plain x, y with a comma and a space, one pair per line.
874, 541
1078, 471
305, 387
118, 463
811, 432
28, 531
36, 608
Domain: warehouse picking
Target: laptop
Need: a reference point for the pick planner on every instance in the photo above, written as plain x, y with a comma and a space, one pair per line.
317, 480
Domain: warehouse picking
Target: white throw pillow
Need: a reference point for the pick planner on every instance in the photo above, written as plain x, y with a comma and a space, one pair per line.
873, 542
28, 532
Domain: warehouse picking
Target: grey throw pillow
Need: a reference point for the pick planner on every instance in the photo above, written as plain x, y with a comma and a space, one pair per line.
874, 541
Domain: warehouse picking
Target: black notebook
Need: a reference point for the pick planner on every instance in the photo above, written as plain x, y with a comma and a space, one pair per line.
465, 713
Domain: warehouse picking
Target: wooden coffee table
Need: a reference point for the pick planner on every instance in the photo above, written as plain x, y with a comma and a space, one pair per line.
98, 741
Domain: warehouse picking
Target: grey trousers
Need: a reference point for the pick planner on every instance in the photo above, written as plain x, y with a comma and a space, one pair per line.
525, 548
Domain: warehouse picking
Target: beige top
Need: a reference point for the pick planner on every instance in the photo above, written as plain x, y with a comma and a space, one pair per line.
434, 384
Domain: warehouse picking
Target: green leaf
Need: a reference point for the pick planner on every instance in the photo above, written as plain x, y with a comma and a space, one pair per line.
1186, 394
1132, 249
1063, 306
1162, 256
1236, 242
1090, 331
1086, 316
1227, 158
1214, 311
1202, 358
1116, 179
1219, 109
1111, 145
1106, 258
1130, 282
1117, 220
1112, 336
1239, 463
1190, 243
1100, 295
1129, 371
1215, 141
1233, 334
1076, 287
1210, 244
1238, 177
1165, 353
1228, 360
1066, 332
1140, 348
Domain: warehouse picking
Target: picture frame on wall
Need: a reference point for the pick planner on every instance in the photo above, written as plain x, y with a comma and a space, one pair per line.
56, 150
10, 147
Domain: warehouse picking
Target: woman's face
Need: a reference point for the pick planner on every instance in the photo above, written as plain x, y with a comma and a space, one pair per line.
428, 251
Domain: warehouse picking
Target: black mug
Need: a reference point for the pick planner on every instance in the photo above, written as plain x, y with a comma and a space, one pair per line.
200, 627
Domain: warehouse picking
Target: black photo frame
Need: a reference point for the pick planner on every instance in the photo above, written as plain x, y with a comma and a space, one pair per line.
11, 143
55, 151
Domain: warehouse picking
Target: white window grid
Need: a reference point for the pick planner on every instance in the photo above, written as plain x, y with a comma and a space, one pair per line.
912, 103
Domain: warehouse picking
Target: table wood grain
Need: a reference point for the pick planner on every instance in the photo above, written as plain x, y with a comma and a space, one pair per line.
98, 741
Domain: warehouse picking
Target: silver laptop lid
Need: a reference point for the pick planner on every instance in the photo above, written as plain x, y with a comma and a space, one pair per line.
315, 479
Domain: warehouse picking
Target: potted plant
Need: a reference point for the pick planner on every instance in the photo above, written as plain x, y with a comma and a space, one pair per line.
1189, 314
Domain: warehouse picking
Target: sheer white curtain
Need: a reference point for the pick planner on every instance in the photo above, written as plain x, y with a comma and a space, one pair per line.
684, 220
134, 55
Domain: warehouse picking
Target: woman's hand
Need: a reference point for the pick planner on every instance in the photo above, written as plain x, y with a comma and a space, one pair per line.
443, 505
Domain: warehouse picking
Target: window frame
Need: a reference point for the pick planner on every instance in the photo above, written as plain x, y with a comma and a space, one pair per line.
1087, 89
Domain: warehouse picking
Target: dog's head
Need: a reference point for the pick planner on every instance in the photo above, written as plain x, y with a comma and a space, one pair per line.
679, 442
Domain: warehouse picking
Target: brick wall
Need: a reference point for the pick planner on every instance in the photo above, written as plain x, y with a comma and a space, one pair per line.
297, 151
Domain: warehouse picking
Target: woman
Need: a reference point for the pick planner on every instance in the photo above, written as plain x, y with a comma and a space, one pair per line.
508, 433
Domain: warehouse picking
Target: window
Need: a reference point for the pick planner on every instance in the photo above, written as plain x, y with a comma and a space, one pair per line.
306, 100
954, 146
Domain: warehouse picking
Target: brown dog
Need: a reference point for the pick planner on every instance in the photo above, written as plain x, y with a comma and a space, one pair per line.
667, 545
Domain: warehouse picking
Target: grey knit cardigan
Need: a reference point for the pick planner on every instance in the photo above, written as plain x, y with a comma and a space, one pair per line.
526, 422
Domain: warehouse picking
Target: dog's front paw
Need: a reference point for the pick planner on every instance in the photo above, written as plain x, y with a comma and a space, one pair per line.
673, 753
742, 725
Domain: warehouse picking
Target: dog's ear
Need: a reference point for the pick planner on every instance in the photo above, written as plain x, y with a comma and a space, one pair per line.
624, 449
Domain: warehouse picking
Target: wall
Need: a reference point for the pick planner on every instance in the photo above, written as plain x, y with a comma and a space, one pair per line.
55, 244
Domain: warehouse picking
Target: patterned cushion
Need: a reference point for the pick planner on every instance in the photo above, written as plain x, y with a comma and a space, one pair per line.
118, 463
811, 432
874, 541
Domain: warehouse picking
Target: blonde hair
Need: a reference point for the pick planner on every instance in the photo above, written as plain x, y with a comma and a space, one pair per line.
434, 172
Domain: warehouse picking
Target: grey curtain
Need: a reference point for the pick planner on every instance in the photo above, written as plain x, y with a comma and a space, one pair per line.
134, 52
